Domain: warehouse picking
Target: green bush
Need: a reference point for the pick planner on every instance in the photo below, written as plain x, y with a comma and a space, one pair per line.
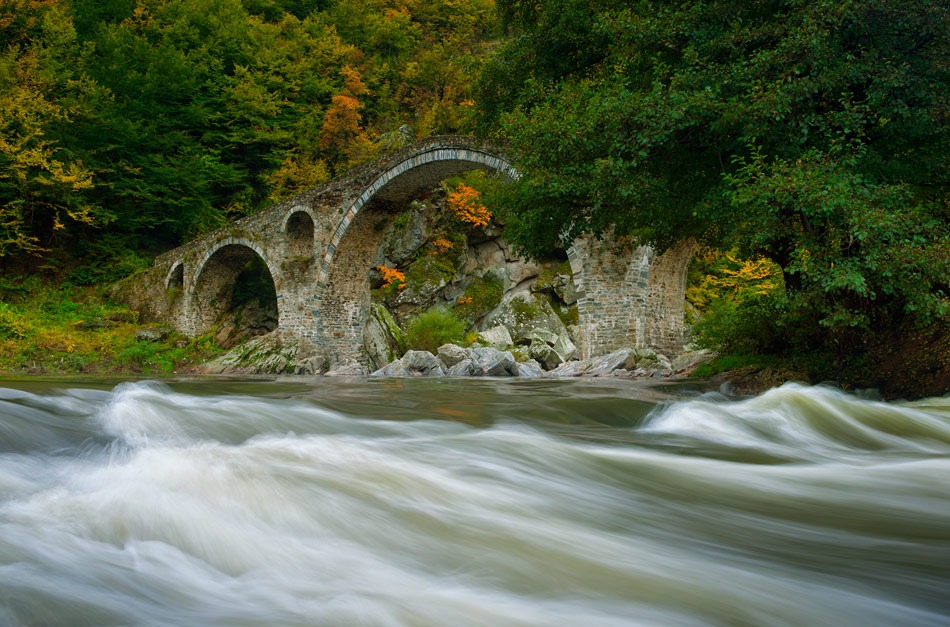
750, 326
432, 329
12, 325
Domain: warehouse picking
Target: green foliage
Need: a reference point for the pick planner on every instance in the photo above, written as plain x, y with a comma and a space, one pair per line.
753, 324
732, 362
150, 357
13, 326
76, 330
811, 133
149, 123
856, 254
432, 329
106, 267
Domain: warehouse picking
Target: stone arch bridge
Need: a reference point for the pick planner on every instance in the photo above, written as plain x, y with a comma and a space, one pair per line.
319, 247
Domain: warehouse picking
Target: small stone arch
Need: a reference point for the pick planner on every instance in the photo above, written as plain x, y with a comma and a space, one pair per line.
299, 230
175, 279
215, 277
343, 282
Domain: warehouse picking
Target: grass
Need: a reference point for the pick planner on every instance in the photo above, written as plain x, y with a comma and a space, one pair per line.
433, 328
49, 329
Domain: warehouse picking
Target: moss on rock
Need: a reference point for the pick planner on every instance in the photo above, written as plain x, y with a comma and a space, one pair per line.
481, 296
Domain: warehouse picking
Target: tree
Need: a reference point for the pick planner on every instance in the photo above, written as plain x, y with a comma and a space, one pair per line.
812, 132
43, 187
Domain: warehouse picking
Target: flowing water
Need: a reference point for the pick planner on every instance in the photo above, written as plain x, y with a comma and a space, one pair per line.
467, 502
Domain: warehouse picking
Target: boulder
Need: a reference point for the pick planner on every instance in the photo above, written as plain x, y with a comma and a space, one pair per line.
493, 362
550, 349
450, 354
690, 359
316, 364
529, 369
488, 254
381, 337
545, 355
347, 368
543, 335
409, 233
122, 316
413, 364
464, 368
94, 325
275, 363
520, 270
393, 369
496, 337
570, 369
522, 313
151, 334
563, 286
565, 347
424, 364
623, 359
268, 354
479, 362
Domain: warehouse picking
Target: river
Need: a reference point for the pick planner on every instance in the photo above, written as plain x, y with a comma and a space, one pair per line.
469, 502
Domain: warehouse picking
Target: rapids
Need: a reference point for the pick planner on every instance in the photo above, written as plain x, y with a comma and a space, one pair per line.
465, 502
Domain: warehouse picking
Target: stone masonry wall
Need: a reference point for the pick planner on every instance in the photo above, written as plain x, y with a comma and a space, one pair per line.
628, 296
611, 283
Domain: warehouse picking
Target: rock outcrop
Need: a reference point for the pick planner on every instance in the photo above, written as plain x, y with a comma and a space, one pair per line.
269, 354
414, 364
455, 361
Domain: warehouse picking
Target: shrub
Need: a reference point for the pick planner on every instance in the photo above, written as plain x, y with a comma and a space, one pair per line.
465, 202
747, 326
432, 329
12, 325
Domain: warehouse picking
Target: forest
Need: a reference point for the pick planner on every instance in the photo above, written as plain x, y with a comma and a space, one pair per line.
804, 144
129, 127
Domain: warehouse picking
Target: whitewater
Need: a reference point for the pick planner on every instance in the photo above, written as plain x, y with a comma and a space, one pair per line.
464, 502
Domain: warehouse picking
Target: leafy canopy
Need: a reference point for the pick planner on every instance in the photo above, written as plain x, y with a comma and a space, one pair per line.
128, 126
812, 132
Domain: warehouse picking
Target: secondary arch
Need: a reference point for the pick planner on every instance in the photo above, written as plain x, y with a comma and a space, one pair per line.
216, 281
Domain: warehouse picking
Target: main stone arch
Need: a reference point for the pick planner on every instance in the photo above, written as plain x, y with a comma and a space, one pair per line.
343, 290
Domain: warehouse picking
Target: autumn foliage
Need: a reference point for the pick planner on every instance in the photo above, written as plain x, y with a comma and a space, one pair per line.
716, 275
392, 276
465, 202
441, 245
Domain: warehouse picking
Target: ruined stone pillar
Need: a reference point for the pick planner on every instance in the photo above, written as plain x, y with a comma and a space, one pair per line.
629, 297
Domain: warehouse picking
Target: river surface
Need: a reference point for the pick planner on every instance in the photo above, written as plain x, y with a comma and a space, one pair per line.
469, 503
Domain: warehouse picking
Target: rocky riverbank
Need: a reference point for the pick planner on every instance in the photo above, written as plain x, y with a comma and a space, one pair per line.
271, 355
